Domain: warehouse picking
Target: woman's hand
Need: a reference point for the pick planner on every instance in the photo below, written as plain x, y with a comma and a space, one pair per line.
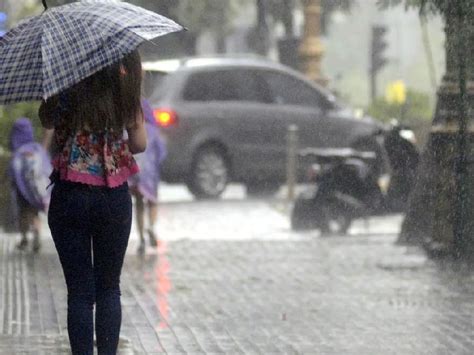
137, 135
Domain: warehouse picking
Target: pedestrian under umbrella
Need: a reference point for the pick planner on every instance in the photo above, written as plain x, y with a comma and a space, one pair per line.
46, 54
82, 61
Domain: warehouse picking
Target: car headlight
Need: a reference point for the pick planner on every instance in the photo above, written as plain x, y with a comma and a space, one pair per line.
359, 113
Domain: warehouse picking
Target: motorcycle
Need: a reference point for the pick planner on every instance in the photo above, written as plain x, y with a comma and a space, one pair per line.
344, 185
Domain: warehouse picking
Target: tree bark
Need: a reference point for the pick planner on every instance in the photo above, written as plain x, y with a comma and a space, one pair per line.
433, 217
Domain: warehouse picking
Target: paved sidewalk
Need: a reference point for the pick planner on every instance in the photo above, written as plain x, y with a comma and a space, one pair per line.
357, 294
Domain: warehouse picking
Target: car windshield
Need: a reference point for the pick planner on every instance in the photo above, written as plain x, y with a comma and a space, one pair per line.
152, 84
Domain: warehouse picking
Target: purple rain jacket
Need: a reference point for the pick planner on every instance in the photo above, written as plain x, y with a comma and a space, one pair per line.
148, 179
30, 165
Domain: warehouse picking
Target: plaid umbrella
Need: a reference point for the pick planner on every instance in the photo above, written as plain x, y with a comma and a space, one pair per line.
48, 53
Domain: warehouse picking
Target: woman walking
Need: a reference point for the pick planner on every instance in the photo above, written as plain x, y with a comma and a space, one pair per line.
90, 213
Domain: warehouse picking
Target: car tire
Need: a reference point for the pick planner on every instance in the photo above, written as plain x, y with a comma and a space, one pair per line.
308, 214
209, 174
303, 215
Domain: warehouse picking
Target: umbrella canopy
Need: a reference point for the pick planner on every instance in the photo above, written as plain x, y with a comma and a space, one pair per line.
51, 52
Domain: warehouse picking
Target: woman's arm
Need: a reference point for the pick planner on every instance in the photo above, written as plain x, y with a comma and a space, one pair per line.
48, 135
137, 135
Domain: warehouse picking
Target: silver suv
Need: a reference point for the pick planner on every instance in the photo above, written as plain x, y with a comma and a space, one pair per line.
226, 120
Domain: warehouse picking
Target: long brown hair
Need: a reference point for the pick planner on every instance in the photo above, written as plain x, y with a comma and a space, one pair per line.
108, 99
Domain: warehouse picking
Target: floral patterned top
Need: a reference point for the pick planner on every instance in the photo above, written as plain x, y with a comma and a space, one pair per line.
102, 159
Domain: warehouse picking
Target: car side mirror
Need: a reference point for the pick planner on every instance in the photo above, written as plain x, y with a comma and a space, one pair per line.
327, 106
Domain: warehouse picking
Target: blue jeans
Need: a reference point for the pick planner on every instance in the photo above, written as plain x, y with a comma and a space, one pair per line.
90, 228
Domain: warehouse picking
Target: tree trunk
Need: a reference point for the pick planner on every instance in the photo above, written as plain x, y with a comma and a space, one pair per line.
433, 218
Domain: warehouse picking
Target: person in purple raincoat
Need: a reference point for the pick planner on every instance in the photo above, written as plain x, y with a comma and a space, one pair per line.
144, 185
29, 171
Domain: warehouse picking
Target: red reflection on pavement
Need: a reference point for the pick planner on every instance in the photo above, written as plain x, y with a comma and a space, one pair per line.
163, 283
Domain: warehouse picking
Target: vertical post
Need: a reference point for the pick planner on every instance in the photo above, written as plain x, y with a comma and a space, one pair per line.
292, 161
461, 236
311, 49
262, 28
373, 85
377, 59
288, 21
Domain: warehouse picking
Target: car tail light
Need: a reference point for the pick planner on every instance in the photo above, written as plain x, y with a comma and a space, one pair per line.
313, 172
165, 117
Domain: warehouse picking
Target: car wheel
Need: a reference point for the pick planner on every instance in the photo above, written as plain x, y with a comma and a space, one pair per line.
303, 215
261, 189
209, 174
308, 214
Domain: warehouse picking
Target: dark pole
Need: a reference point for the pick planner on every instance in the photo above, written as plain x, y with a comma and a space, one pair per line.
44, 5
288, 21
377, 56
373, 85
262, 27
261, 14
460, 225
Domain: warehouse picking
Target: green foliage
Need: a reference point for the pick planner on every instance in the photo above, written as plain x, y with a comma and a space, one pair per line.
432, 6
28, 10
197, 16
8, 115
279, 9
214, 15
417, 109
409, 3
277, 6
163, 7
52, 3
329, 6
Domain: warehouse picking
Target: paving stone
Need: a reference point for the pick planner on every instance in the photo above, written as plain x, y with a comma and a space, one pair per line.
268, 292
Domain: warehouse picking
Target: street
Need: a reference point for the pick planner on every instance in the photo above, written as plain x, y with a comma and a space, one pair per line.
230, 277
364, 106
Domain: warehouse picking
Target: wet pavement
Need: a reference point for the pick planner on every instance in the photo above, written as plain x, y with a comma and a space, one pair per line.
229, 277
